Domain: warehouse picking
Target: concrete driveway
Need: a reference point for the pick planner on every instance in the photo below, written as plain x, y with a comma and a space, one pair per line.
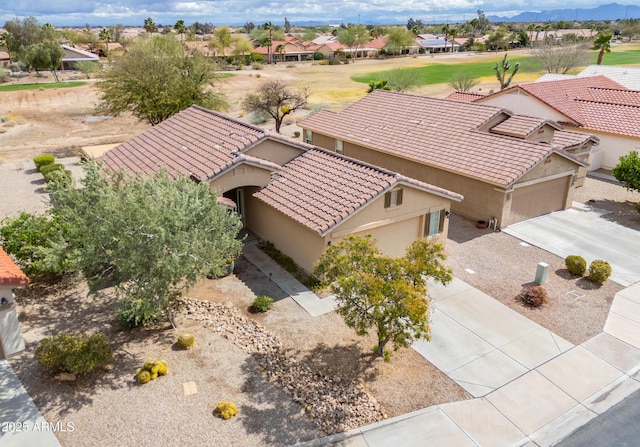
588, 233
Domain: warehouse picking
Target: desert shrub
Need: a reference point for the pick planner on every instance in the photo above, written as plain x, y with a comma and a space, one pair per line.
226, 410
43, 160
257, 65
323, 62
186, 341
135, 312
290, 66
5, 75
74, 353
44, 170
151, 370
533, 296
599, 271
262, 303
259, 118
576, 265
62, 176
256, 57
334, 61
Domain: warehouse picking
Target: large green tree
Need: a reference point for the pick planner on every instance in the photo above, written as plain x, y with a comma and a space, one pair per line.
399, 39
157, 78
46, 55
627, 171
354, 37
275, 99
22, 33
374, 291
151, 236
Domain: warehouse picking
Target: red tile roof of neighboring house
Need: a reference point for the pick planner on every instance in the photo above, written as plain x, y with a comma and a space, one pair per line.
448, 135
320, 189
464, 96
10, 273
195, 141
593, 103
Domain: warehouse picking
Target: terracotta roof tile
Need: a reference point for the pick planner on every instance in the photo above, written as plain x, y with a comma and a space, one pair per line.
10, 273
435, 132
566, 139
320, 189
464, 96
521, 126
195, 141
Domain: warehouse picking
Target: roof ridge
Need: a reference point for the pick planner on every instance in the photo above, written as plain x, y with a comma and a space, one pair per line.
229, 118
597, 101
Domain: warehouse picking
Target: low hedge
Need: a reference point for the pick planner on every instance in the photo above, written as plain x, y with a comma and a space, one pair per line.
43, 160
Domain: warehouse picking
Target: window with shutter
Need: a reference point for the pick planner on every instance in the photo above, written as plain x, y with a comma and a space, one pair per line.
393, 198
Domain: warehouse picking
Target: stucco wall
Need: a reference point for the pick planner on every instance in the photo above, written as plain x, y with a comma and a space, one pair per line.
481, 200
524, 104
612, 147
274, 151
241, 175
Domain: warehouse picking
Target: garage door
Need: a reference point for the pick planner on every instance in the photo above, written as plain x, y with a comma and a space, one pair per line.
536, 200
393, 239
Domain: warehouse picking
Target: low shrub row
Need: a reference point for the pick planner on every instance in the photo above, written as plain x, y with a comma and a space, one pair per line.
52, 171
599, 270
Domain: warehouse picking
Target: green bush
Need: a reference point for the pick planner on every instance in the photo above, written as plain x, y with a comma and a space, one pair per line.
576, 265
599, 271
186, 341
43, 160
74, 353
226, 410
62, 176
318, 56
135, 312
334, 61
262, 303
46, 169
533, 296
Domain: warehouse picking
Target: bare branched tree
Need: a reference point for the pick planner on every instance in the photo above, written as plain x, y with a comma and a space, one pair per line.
561, 59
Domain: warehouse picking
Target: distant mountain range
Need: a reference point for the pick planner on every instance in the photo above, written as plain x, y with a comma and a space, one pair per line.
612, 11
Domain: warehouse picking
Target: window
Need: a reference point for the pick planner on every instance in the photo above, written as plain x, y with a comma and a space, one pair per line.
434, 223
393, 198
308, 137
339, 149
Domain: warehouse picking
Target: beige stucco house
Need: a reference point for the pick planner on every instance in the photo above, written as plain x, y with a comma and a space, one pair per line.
594, 105
11, 277
508, 167
300, 197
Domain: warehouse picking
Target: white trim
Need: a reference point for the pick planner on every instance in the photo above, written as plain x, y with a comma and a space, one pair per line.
379, 223
542, 179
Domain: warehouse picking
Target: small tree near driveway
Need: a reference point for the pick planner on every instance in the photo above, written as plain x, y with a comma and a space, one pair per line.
627, 171
277, 100
376, 291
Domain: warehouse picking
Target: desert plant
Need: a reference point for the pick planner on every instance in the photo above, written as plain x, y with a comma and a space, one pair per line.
42, 160
334, 61
257, 66
186, 341
74, 353
62, 176
533, 296
143, 376
599, 271
44, 170
262, 303
134, 312
576, 265
226, 410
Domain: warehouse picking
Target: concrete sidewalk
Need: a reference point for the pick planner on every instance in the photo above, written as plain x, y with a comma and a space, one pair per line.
539, 396
21, 424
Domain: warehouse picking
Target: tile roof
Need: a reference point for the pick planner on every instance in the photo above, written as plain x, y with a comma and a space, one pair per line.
566, 139
445, 134
627, 76
521, 126
320, 189
464, 96
10, 273
195, 141
592, 103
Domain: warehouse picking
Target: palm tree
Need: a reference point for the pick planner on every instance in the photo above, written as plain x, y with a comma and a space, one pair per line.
281, 49
531, 28
602, 42
453, 33
446, 29
269, 40
150, 26
180, 28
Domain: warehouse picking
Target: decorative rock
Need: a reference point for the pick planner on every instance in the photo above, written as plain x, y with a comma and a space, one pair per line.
66, 377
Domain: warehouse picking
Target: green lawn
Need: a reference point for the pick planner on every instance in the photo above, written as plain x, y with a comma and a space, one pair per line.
13, 88
442, 73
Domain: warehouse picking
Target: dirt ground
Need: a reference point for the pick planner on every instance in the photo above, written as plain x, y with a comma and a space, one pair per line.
63, 120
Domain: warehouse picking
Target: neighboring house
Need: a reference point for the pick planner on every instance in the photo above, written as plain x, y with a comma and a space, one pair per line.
299, 197
508, 168
626, 76
593, 105
11, 277
73, 55
436, 44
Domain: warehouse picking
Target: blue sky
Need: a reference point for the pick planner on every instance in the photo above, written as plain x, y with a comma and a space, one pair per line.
223, 12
